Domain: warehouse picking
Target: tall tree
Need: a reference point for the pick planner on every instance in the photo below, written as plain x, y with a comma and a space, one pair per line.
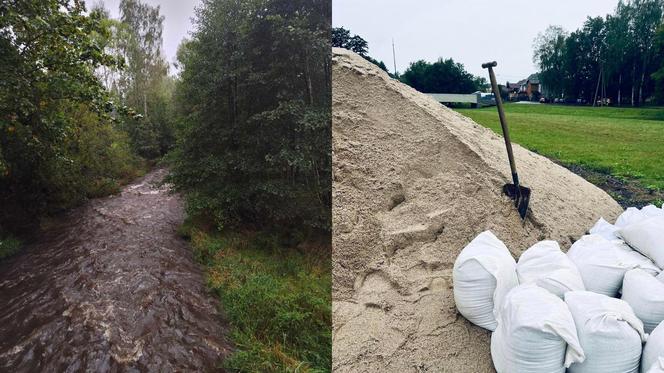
255, 123
646, 18
605, 55
141, 83
550, 54
47, 58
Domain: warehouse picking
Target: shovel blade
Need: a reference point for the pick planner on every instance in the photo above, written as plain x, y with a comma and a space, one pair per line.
521, 197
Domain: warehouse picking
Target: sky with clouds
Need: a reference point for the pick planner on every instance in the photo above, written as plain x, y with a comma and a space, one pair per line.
469, 31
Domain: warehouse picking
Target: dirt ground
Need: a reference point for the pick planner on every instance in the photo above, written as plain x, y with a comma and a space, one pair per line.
414, 182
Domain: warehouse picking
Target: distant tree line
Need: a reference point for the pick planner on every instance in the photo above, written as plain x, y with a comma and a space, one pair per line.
442, 76
342, 38
253, 105
620, 56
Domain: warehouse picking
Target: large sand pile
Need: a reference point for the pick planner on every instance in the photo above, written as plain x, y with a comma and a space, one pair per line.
414, 182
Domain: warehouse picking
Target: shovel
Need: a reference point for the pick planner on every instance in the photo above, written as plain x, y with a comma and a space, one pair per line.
520, 194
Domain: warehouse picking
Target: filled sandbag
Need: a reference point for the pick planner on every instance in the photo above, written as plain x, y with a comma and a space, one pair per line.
645, 294
634, 215
647, 237
545, 265
653, 350
535, 333
652, 211
484, 272
603, 263
658, 367
605, 229
609, 332
629, 216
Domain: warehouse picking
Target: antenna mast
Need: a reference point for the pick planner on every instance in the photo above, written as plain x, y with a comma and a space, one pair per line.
394, 58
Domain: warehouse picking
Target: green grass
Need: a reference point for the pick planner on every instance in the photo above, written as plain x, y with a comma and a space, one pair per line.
276, 299
9, 246
624, 142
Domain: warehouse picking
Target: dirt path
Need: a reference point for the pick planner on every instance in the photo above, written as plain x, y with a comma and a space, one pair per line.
110, 288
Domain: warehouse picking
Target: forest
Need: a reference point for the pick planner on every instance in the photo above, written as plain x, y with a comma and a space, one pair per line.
619, 57
84, 105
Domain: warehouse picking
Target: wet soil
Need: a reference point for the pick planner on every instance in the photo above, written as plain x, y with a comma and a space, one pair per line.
628, 193
110, 287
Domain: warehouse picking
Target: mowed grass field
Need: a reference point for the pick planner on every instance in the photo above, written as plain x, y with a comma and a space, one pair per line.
627, 143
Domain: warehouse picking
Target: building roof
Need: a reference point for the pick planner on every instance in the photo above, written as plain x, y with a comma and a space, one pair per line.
533, 79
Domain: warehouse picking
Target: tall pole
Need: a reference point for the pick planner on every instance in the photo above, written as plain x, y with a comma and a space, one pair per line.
394, 58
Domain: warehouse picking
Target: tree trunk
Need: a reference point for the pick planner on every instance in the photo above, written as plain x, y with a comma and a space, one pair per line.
643, 79
620, 89
633, 81
307, 74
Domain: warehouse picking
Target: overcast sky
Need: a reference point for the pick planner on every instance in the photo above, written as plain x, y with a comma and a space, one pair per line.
469, 31
177, 22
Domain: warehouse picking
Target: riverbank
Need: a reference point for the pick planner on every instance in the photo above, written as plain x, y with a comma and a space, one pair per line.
276, 297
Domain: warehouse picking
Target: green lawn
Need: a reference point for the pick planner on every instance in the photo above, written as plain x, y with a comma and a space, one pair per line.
624, 142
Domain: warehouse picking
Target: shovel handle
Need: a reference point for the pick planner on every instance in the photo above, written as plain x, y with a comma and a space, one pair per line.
503, 121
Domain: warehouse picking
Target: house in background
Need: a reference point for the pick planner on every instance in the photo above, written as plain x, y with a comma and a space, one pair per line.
513, 89
529, 89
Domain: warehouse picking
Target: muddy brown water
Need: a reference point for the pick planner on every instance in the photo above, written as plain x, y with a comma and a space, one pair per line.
110, 288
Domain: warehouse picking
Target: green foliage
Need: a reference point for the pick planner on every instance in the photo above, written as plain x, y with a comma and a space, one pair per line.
442, 76
254, 133
9, 246
658, 75
145, 83
612, 57
278, 301
57, 144
341, 38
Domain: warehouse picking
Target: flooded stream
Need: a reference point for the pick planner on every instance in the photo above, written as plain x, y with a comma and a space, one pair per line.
110, 288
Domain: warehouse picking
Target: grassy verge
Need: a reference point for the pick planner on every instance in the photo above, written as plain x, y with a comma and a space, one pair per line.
277, 299
625, 143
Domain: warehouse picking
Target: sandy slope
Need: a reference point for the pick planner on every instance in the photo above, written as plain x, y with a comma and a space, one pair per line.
414, 182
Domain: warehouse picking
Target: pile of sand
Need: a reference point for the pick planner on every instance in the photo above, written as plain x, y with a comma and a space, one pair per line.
414, 182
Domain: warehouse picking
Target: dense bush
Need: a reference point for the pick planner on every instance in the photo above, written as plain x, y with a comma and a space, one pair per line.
57, 143
254, 105
442, 76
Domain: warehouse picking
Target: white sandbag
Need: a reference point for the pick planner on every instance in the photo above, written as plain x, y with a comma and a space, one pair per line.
605, 229
603, 263
484, 272
658, 367
652, 211
645, 294
545, 265
646, 237
535, 333
629, 216
653, 350
609, 332
634, 215
660, 276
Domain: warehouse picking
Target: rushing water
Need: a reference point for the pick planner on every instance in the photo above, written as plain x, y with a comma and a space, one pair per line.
110, 288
